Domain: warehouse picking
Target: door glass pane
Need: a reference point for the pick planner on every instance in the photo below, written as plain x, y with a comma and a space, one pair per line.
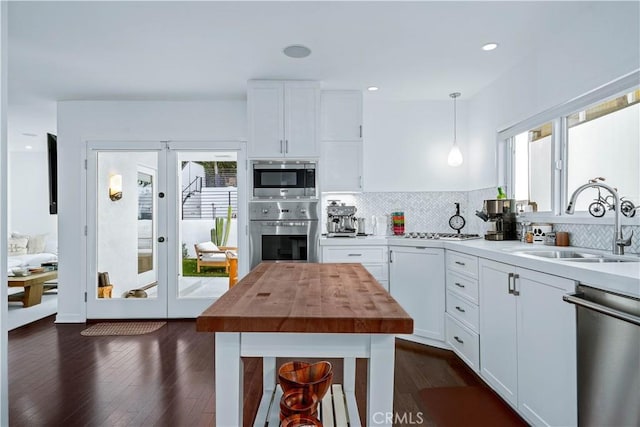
604, 141
532, 168
208, 227
126, 225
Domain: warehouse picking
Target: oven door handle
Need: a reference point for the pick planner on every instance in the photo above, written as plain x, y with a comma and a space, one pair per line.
581, 302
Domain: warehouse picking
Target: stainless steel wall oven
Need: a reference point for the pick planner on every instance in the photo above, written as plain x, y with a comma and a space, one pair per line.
283, 231
284, 179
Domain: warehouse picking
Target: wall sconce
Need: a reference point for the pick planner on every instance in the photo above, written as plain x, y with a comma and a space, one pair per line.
115, 187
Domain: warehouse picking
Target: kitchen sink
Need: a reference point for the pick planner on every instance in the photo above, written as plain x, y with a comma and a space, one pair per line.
576, 256
560, 254
601, 259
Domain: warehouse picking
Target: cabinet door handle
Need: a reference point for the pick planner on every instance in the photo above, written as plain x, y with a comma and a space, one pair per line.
390, 256
516, 292
286, 145
354, 255
461, 310
360, 181
459, 285
509, 288
460, 263
360, 131
458, 339
281, 147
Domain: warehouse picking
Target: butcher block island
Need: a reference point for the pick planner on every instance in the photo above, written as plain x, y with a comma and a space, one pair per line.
305, 310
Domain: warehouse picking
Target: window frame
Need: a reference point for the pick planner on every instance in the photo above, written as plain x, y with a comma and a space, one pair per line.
558, 116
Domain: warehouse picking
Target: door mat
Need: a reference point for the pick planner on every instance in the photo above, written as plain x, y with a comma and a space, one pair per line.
122, 328
468, 406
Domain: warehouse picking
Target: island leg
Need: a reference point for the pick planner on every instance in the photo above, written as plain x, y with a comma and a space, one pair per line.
380, 380
228, 380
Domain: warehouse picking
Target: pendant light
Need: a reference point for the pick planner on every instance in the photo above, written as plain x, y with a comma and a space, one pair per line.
455, 155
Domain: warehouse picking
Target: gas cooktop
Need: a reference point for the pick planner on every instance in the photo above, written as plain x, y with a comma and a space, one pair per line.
441, 236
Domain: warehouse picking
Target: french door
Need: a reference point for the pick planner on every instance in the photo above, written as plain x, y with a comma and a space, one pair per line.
149, 205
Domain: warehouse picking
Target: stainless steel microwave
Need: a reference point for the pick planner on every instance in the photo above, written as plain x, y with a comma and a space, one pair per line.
273, 179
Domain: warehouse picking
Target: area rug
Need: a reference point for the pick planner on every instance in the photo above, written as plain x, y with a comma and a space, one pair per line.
122, 328
467, 406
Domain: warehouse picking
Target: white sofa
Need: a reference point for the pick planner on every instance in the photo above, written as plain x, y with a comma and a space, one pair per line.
30, 250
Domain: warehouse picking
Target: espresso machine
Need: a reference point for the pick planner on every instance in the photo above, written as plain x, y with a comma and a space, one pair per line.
501, 212
341, 220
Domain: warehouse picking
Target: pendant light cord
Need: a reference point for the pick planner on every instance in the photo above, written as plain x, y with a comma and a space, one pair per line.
454, 95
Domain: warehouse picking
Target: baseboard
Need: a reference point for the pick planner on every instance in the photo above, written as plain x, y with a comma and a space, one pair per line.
70, 318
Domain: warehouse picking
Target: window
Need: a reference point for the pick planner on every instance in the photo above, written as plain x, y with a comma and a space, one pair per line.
603, 141
532, 168
555, 152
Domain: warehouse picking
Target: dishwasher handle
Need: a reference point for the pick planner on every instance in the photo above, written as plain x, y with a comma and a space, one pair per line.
577, 300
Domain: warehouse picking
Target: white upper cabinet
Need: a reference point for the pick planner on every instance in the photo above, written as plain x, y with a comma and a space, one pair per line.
341, 134
341, 166
283, 118
341, 115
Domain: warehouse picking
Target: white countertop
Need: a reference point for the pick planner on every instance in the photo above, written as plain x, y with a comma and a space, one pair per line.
620, 277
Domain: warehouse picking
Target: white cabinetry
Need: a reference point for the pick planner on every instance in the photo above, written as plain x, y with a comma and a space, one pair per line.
373, 258
528, 351
283, 118
416, 281
463, 315
341, 166
341, 153
341, 115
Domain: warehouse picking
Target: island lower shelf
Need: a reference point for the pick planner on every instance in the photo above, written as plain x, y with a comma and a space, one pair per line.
338, 408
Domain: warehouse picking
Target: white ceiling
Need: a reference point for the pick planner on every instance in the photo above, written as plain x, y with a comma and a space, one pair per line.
208, 50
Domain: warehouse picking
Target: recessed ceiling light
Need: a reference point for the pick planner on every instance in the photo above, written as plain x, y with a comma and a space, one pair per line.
490, 46
29, 134
372, 88
28, 147
297, 51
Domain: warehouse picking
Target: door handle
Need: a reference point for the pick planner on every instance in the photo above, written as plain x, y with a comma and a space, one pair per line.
509, 288
461, 310
161, 239
516, 292
459, 285
458, 339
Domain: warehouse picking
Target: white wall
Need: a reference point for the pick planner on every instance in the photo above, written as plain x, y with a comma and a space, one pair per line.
4, 387
406, 144
29, 194
81, 121
594, 49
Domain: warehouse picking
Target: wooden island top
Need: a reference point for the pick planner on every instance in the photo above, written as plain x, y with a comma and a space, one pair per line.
307, 298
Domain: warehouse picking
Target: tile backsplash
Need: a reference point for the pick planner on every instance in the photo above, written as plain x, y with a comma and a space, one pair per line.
430, 212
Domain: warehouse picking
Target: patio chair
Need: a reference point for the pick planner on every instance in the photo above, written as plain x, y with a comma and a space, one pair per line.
210, 255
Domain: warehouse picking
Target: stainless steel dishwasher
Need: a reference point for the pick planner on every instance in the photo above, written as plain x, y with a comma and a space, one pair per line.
608, 357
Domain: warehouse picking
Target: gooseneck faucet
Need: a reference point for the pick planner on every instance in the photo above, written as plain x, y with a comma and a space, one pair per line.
619, 242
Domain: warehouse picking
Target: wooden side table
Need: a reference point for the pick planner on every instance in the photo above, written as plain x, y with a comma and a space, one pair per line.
105, 291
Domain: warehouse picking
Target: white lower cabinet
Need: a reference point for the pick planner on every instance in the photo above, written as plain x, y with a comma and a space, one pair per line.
372, 257
528, 342
416, 281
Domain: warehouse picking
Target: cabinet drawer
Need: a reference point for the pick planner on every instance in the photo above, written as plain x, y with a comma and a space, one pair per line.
464, 311
463, 285
464, 342
378, 270
462, 263
363, 254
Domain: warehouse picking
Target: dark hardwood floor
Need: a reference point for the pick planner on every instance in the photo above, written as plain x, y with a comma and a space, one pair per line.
58, 377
